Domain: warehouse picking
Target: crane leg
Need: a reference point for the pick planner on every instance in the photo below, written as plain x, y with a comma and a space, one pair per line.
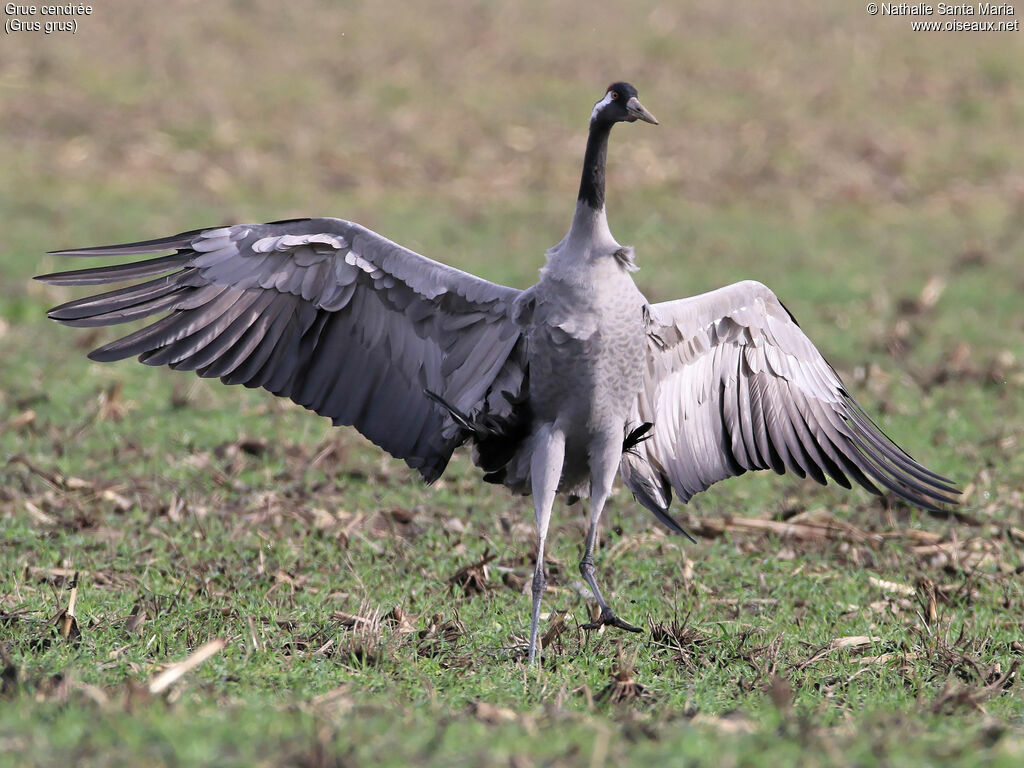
545, 472
602, 477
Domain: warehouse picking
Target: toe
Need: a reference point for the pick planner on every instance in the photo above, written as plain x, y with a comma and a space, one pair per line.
609, 619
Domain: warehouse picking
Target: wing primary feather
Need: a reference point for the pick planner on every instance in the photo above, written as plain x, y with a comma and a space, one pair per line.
224, 310
166, 300
214, 348
902, 485
893, 452
246, 357
845, 450
116, 300
812, 418
238, 352
814, 461
670, 522
181, 240
134, 343
117, 272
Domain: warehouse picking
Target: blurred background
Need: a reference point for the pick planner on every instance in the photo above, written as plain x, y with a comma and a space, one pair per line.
871, 175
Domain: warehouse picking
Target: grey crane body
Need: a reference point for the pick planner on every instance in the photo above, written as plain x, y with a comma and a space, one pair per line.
585, 330
549, 385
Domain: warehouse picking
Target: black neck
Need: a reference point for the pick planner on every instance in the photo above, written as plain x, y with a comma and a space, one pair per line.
592, 183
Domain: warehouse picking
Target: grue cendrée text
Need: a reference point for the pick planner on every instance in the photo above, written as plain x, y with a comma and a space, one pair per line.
556, 387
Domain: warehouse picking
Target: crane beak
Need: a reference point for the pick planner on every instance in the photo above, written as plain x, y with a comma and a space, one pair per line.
637, 111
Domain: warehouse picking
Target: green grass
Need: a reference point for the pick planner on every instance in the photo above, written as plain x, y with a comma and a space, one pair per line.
854, 167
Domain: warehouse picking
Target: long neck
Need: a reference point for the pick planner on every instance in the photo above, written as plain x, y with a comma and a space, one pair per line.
592, 183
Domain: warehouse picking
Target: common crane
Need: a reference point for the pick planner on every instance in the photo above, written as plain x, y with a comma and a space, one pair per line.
557, 387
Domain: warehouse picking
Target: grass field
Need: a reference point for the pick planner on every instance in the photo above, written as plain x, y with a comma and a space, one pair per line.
870, 175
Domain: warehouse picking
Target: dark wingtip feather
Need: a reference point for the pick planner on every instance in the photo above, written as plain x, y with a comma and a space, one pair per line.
670, 522
894, 468
116, 273
103, 355
661, 512
180, 240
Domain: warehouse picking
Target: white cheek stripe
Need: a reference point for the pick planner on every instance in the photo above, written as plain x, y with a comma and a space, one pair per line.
601, 104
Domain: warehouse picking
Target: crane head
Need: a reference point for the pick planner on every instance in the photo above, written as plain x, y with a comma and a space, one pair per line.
621, 104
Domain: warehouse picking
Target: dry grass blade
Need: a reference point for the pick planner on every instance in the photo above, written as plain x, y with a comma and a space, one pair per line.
685, 642
22, 422
490, 714
805, 530
440, 636
780, 692
173, 673
366, 644
893, 586
37, 515
956, 696
473, 579
887, 657
52, 478
65, 621
54, 573
555, 630
854, 641
623, 686
68, 624
926, 596
401, 622
352, 620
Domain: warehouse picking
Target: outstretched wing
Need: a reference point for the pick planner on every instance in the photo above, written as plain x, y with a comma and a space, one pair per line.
323, 311
732, 385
